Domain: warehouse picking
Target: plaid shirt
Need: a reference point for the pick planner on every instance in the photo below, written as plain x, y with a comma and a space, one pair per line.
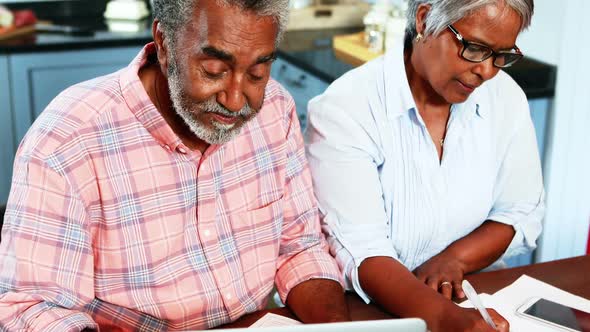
112, 222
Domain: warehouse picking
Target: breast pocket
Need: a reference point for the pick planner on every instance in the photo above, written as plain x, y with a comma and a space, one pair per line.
257, 234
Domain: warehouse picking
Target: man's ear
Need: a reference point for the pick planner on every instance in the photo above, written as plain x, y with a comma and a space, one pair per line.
421, 15
161, 46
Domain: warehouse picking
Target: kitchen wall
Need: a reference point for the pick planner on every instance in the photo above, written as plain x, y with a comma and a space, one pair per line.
559, 36
541, 40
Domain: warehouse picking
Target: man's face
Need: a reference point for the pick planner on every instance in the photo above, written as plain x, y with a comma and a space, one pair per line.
219, 69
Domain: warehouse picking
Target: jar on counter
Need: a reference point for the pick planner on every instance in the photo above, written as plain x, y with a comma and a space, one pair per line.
395, 28
375, 24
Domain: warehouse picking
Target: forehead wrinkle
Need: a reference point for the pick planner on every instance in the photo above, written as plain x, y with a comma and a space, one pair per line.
198, 28
234, 33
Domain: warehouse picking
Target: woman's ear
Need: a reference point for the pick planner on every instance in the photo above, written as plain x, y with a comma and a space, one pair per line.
421, 15
161, 47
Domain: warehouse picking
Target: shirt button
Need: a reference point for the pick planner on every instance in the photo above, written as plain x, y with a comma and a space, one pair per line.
228, 296
207, 233
167, 147
182, 150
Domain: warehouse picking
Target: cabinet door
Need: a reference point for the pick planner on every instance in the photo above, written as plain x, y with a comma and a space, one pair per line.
540, 109
302, 85
37, 78
6, 132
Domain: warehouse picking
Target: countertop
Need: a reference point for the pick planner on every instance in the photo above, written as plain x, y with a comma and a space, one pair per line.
310, 50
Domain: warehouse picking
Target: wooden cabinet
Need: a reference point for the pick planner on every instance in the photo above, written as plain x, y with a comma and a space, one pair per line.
28, 82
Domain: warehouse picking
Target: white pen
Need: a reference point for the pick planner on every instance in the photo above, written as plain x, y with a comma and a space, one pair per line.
476, 301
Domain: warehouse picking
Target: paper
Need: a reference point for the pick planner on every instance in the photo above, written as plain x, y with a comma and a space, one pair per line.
272, 320
507, 300
485, 299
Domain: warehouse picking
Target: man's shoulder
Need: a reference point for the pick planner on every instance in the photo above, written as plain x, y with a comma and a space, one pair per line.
72, 112
277, 97
278, 103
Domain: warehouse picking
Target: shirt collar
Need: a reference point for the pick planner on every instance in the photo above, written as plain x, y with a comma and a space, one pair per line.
140, 104
475, 101
397, 87
398, 90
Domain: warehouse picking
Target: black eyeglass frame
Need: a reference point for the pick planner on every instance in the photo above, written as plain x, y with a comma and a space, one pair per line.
466, 43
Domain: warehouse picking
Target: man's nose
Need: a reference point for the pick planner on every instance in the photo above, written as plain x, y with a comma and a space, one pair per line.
232, 97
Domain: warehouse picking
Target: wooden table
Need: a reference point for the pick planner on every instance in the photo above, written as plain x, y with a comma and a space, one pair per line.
571, 275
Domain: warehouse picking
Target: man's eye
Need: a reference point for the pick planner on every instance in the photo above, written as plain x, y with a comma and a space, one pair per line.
259, 72
214, 69
214, 75
256, 77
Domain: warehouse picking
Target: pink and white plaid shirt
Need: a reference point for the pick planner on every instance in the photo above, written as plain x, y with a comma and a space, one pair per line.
113, 223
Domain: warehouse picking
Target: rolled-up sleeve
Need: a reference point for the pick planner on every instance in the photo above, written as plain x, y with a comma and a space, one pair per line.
303, 252
344, 160
519, 197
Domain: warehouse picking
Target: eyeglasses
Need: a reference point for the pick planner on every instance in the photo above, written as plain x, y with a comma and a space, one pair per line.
475, 52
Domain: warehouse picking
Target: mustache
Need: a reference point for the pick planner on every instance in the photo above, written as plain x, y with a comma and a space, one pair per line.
212, 106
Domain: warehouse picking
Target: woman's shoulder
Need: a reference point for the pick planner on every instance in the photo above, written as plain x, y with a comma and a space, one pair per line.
352, 105
503, 88
503, 104
358, 82
502, 97
355, 92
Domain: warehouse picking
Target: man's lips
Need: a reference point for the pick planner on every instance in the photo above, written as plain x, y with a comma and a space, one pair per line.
224, 119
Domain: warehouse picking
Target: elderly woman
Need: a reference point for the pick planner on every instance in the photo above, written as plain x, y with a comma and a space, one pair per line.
425, 161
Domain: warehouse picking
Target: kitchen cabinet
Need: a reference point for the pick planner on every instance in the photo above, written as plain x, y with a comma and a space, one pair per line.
540, 108
302, 85
6, 132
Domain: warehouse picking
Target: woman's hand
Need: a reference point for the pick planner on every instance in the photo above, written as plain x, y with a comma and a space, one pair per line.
443, 273
470, 320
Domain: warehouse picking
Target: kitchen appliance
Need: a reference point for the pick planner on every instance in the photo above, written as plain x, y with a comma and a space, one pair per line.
325, 14
133, 10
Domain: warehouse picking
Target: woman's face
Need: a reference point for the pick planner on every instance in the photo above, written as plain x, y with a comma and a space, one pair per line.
450, 76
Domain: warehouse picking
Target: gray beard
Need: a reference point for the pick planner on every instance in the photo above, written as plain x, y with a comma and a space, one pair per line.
189, 111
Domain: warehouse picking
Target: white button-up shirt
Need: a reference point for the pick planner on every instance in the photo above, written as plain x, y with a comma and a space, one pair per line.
380, 184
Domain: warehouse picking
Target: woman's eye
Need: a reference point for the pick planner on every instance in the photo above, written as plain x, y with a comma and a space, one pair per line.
477, 49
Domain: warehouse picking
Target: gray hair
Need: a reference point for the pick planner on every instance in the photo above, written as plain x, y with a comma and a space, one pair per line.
174, 14
445, 12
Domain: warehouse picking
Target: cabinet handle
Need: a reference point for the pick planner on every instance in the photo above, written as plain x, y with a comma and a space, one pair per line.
293, 82
282, 70
297, 83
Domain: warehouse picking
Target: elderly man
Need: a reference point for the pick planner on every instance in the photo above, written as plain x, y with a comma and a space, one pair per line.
172, 194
